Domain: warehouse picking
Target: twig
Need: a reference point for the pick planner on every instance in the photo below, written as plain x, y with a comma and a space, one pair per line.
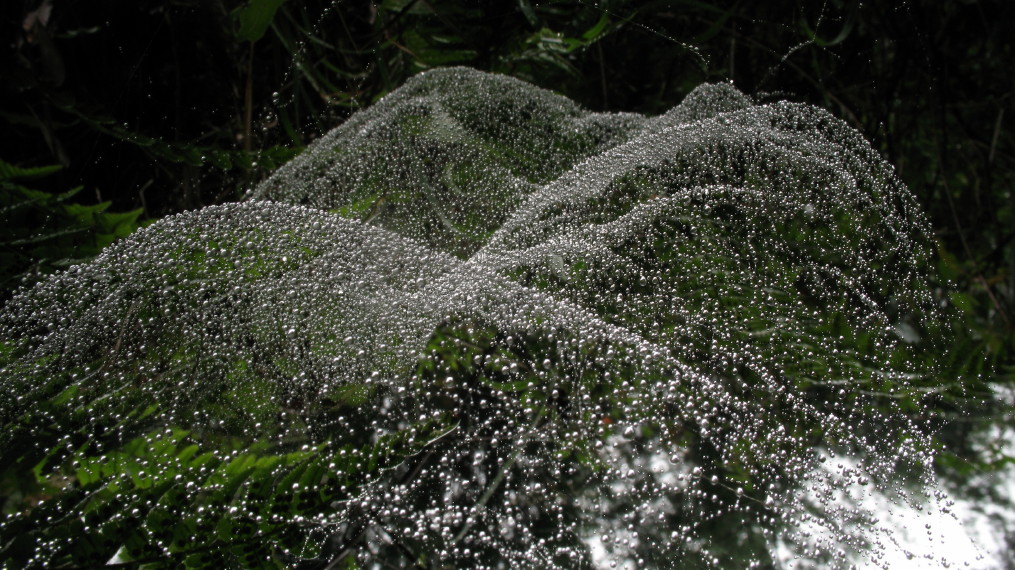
997, 133
248, 101
602, 74
492, 487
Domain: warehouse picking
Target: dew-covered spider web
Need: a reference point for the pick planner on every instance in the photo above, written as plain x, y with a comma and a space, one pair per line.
478, 326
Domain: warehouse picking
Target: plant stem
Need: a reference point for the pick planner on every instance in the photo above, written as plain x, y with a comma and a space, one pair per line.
248, 100
492, 487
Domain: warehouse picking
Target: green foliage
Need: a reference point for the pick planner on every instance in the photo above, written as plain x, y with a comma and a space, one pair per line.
150, 104
255, 18
291, 380
41, 232
173, 497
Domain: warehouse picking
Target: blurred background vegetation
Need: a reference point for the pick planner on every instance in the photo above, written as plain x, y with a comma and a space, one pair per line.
118, 112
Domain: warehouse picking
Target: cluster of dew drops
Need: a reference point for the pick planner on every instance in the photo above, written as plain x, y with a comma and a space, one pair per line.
489, 328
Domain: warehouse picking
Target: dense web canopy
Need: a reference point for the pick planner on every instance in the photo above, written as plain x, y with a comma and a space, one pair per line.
479, 326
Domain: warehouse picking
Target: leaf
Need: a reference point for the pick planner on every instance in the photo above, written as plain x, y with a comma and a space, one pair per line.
597, 31
414, 7
119, 224
529, 13
10, 172
847, 29
255, 18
